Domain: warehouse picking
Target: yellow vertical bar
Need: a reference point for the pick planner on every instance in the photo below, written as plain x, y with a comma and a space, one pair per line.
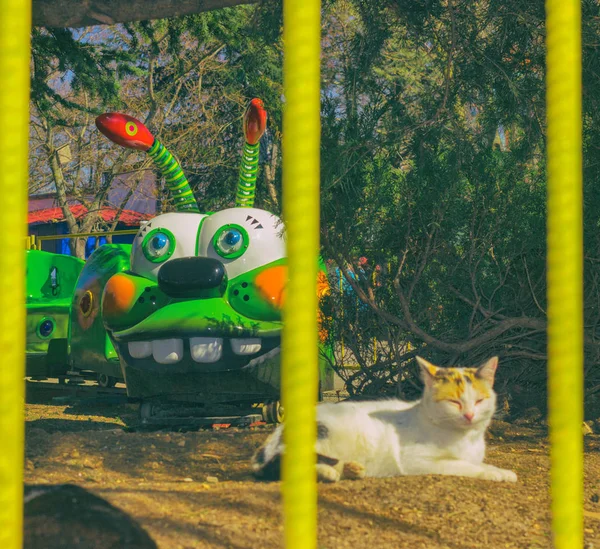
15, 27
301, 137
565, 269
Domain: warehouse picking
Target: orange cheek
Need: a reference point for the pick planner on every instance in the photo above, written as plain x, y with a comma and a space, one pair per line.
271, 285
119, 295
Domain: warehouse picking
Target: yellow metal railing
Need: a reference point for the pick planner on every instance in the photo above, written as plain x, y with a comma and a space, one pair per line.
301, 138
15, 27
565, 269
301, 209
34, 242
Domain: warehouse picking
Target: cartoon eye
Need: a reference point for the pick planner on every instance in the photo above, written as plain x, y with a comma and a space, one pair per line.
231, 241
131, 128
158, 245
46, 327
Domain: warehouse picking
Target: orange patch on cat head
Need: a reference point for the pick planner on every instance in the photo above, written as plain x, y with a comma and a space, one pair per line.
450, 383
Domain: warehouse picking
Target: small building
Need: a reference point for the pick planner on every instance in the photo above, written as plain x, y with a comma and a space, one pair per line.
46, 218
50, 221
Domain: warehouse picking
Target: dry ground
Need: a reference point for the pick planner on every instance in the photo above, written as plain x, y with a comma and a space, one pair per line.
194, 490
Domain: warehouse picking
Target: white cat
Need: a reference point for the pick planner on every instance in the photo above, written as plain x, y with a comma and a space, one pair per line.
441, 434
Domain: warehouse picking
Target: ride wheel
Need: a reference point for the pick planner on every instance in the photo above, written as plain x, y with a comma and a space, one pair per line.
272, 412
106, 381
146, 410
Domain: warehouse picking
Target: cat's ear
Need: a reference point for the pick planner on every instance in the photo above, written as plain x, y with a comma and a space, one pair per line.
428, 371
487, 371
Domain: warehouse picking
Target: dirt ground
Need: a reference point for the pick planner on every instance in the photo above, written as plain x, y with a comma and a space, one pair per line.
194, 489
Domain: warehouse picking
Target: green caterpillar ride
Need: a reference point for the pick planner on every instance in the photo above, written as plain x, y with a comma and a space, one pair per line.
189, 313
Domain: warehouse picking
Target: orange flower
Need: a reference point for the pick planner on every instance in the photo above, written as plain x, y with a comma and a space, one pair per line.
323, 288
323, 333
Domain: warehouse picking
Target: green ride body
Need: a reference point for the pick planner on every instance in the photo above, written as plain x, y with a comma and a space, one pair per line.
50, 281
90, 345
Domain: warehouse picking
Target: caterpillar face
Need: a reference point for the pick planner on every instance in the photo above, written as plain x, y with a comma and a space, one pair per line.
210, 284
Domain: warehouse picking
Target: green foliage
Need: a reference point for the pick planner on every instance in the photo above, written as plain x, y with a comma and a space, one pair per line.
413, 179
64, 63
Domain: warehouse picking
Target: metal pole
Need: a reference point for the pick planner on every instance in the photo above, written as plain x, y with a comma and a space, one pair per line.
565, 269
301, 142
15, 28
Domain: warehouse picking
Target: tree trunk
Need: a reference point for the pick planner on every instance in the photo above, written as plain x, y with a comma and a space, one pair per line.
76, 245
61, 192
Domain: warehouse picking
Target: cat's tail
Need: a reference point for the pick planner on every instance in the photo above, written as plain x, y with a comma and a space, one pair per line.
266, 462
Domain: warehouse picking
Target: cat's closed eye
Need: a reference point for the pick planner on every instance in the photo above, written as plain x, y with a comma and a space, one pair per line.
479, 401
457, 402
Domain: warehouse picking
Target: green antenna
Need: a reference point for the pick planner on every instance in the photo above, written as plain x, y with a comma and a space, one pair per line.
255, 123
130, 133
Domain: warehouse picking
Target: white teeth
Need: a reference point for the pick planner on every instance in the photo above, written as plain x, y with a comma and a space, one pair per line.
202, 349
140, 349
167, 351
247, 346
206, 349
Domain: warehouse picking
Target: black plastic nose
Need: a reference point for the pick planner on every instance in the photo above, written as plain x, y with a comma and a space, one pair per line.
193, 277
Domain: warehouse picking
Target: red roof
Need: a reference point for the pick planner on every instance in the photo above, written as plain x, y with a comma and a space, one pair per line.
55, 215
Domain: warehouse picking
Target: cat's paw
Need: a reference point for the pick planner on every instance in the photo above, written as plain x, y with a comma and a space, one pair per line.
326, 473
499, 475
353, 470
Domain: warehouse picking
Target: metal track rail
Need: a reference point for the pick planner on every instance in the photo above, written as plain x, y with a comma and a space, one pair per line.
166, 415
